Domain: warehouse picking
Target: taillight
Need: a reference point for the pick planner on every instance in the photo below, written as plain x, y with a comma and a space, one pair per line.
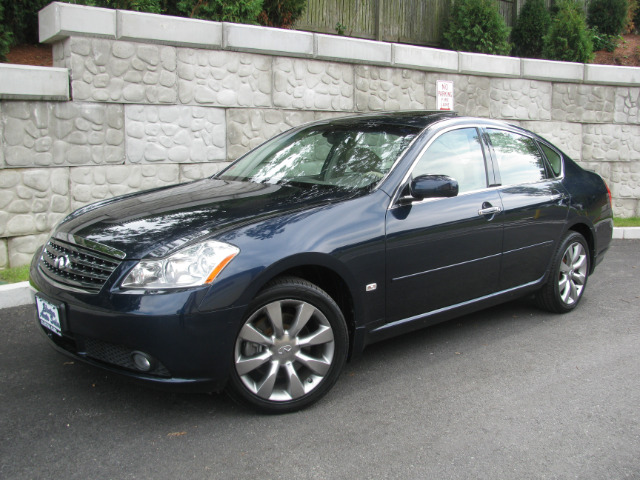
609, 192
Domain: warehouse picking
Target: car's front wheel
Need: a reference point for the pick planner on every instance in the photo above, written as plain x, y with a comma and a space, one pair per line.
568, 276
290, 349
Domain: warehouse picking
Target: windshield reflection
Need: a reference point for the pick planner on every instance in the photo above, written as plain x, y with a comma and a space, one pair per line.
350, 157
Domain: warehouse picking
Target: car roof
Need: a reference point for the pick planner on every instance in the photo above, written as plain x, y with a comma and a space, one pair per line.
416, 119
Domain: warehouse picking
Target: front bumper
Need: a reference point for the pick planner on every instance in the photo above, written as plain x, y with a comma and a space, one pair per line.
188, 347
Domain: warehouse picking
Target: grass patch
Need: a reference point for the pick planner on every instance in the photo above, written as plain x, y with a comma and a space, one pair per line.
15, 275
626, 222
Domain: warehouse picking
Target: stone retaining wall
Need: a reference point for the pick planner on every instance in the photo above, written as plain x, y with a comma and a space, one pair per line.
158, 100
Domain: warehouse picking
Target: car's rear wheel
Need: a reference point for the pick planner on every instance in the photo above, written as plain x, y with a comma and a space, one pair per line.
568, 276
290, 349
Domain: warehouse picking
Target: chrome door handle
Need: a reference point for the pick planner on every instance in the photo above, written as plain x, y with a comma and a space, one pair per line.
489, 211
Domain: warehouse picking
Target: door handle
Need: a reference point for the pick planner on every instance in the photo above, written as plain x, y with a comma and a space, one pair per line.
489, 211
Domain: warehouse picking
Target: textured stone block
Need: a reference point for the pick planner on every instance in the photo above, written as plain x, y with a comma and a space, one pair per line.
552, 71
60, 20
123, 72
22, 82
273, 41
582, 103
471, 94
520, 99
379, 88
32, 200
423, 58
626, 208
4, 254
248, 128
627, 105
566, 136
226, 79
625, 180
21, 249
174, 133
69, 133
353, 50
91, 184
611, 143
178, 31
312, 85
197, 171
489, 65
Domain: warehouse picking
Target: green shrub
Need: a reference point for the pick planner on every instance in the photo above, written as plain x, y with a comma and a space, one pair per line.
238, 11
568, 39
609, 16
5, 37
531, 26
281, 13
477, 26
602, 41
21, 19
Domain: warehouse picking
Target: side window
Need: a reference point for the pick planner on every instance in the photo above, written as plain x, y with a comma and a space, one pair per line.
518, 157
555, 160
457, 154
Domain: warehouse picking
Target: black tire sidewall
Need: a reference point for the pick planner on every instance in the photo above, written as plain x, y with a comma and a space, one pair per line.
292, 288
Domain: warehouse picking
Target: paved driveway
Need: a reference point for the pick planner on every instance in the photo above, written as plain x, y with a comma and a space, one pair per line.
508, 393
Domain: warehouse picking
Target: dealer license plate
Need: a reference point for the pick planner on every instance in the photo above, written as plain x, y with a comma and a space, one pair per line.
49, 315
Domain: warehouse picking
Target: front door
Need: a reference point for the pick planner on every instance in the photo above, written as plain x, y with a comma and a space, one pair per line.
445, 251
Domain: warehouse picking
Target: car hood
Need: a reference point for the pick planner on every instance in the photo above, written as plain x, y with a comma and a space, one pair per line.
157, 222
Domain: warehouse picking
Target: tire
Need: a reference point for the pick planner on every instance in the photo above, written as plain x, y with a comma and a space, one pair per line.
290, 349
568, 276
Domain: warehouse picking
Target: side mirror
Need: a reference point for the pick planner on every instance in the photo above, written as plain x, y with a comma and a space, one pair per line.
433, 186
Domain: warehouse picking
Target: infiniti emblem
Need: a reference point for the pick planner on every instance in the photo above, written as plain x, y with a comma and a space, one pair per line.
284, 349
62, 262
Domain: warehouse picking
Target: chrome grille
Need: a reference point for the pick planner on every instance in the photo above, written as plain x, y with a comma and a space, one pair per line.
76, 266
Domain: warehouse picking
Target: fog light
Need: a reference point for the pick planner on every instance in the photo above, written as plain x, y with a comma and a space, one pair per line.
142, 361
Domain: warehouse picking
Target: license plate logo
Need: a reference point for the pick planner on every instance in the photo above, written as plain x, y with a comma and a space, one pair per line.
48, 315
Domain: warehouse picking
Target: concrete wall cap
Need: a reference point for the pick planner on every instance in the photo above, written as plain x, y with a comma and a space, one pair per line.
489, 65
353, 50
61, 20
424, 58
612, 75
168, 30
552, 71
273, 41
24, 82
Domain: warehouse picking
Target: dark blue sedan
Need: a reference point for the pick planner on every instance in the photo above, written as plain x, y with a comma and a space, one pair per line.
265, 278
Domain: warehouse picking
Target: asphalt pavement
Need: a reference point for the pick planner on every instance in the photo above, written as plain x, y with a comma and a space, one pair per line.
508, 393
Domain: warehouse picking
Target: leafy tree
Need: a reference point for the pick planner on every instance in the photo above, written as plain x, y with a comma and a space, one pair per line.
477, 26
609, 16
281, 13
568, 39
530, 28
5, 37
239, 11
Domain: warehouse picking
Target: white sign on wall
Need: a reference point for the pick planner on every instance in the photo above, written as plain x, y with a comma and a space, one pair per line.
444, 95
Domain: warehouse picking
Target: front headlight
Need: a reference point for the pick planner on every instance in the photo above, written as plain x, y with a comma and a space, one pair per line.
195, 265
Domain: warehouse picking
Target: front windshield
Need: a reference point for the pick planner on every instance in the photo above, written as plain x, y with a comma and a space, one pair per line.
347, 156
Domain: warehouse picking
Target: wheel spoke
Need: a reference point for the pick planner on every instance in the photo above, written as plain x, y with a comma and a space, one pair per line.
296, 388
265, 389
274, 312
316, 365
245, 365
303, 314
573, 292
250, 334
565, 289
578, 278
324, 334
565, 267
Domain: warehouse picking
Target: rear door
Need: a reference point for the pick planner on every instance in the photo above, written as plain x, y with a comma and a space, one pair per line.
535, 206
445, 251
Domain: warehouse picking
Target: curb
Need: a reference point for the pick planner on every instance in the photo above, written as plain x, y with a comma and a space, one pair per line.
18, 294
